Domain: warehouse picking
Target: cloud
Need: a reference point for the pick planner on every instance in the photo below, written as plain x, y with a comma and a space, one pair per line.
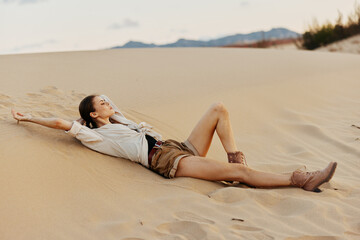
127, 23
35, 46
179, 30
244, 3
21, 1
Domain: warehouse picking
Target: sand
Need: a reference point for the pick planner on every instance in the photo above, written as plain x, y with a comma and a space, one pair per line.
348, 45
288, 109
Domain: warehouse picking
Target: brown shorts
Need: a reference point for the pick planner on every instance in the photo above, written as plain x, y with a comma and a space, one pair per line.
167, 157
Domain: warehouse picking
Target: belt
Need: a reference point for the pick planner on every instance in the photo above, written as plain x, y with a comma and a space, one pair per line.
153, 150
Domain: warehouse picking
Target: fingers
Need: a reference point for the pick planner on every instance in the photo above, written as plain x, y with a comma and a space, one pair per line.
16, 115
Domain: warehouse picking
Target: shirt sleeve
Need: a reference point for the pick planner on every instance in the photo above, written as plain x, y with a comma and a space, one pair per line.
83, 133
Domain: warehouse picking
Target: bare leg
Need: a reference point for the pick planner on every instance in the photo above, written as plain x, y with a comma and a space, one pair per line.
209, 169
216, 118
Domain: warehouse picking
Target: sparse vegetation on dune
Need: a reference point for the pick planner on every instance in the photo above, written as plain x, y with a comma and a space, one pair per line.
264, 43
322, 35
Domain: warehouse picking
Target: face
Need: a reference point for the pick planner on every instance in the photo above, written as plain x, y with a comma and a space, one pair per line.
102, 108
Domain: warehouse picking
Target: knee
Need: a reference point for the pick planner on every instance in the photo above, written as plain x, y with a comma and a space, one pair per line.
243, 173
219, 108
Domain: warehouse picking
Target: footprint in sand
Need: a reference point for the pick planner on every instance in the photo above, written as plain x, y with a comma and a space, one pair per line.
187, 229
245, 228
188, 216
228, 195
132, 239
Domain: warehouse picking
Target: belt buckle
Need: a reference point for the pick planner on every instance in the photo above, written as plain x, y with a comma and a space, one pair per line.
158, 145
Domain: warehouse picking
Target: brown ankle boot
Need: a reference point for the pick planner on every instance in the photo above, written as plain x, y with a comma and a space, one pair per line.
237, 157
310, 181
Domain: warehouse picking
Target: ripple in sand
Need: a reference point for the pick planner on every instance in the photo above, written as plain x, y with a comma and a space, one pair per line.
34, 95
290, 206
312, 238
5, 101
48, 102
4, 97
6, 104
52, 90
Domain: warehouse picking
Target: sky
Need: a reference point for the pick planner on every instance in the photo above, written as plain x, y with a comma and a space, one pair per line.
28, 26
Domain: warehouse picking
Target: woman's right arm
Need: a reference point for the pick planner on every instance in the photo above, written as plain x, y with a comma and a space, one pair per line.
56, 123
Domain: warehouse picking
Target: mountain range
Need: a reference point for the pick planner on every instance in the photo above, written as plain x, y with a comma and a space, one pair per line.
275, 33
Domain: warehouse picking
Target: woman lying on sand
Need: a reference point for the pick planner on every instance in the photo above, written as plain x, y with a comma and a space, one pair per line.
109, 132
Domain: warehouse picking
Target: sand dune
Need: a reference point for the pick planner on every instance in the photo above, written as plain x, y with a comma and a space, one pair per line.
348, 45
288, 109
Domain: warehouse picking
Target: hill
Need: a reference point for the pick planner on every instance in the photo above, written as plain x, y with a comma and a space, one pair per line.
273, 34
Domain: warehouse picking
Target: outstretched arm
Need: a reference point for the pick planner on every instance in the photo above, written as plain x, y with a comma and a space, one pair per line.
56, 123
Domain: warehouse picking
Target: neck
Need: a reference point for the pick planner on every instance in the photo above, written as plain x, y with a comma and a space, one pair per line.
102, 121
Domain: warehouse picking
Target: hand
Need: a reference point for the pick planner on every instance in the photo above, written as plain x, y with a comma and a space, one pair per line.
81, 121
19, 116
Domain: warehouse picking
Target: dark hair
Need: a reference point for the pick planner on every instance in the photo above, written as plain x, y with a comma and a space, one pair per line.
86, 106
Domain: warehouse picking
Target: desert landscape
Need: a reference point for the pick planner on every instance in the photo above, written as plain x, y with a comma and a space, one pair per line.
289, 109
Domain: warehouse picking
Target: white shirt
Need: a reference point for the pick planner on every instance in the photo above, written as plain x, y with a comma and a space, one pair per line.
124, 139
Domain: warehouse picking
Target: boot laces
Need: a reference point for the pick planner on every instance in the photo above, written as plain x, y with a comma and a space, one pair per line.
242, 158
312, 173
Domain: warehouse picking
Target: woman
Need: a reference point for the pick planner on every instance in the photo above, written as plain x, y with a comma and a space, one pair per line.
109, 132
